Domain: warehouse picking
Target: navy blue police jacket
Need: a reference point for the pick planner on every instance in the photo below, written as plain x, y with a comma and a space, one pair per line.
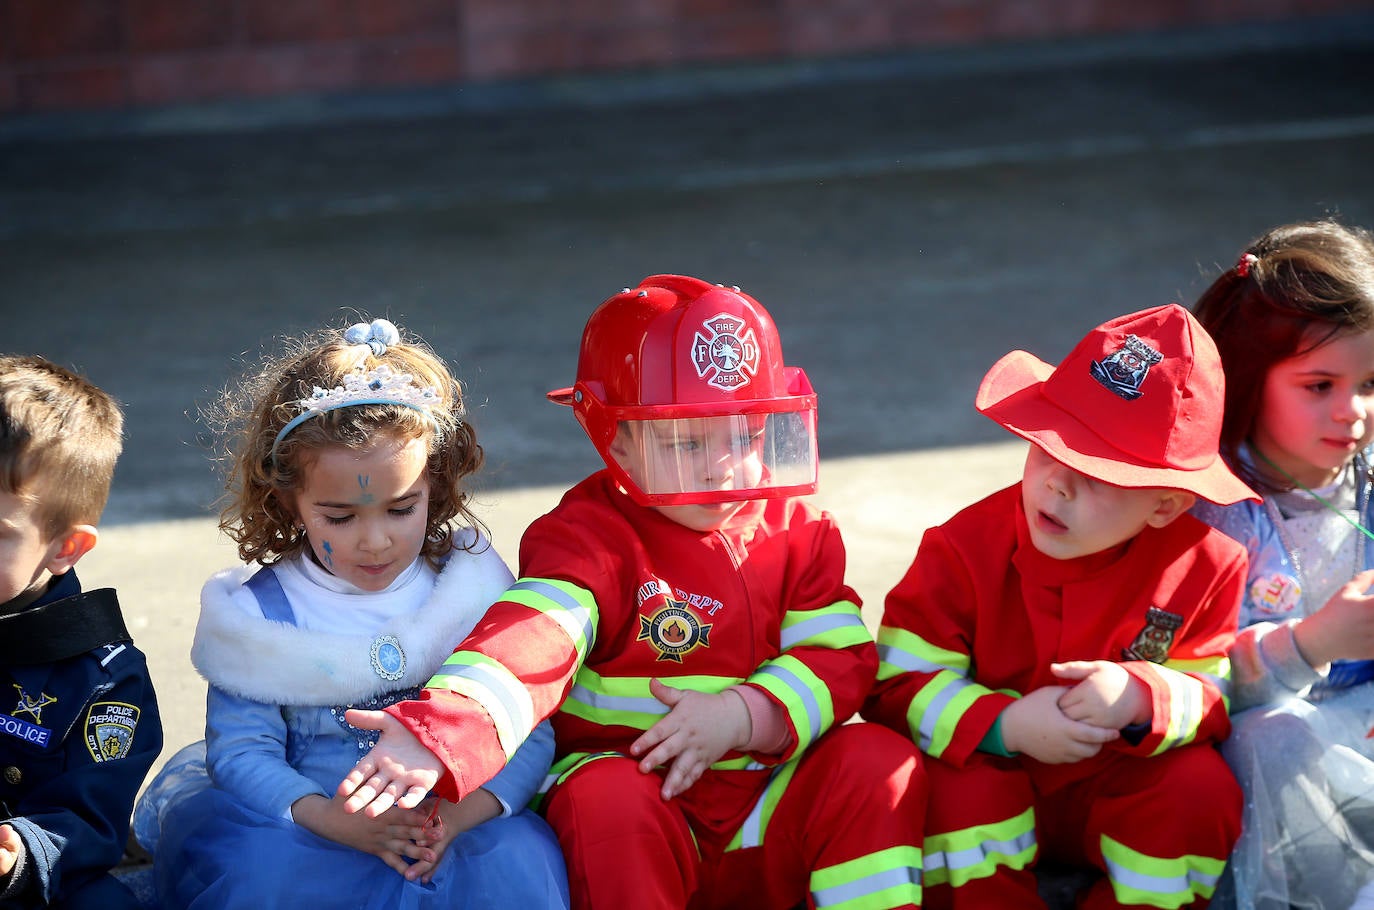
79, 730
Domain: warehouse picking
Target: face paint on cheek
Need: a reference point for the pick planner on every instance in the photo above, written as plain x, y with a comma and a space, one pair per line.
328, 554
366, 497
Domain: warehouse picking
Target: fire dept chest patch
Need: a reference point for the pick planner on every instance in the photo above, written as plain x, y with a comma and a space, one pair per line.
1124, 371
725, 352
674, 631
1156, 638
110, 729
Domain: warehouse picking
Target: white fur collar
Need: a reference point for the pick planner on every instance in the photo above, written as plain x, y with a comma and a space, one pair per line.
277, 663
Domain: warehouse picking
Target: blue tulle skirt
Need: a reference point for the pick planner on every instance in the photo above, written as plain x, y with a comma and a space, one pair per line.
213, 852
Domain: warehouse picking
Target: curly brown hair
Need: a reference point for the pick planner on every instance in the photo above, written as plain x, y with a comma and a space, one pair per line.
259, 471
1294, 289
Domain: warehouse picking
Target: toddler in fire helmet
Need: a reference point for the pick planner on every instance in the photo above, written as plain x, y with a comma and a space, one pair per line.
683, 616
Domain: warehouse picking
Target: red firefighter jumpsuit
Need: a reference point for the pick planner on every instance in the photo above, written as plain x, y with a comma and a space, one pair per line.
613, 594
976, 622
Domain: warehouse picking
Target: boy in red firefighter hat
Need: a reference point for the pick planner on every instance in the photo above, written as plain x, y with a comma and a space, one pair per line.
683, 616
1058, 650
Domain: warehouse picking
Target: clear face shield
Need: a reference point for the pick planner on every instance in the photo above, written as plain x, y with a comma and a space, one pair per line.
725, 458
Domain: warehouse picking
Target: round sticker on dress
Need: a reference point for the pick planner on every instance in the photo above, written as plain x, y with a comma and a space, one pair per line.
1275, 594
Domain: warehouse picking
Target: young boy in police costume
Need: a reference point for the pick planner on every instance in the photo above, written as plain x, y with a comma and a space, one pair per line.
79, 724
683, 616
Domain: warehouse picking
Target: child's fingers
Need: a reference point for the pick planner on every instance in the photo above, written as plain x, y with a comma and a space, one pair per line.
665, 693
1072, 669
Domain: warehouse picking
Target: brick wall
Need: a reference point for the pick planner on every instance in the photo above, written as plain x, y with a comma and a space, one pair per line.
64, 54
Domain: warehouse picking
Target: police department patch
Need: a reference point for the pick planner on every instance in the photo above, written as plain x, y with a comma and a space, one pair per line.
110, 729
673, 631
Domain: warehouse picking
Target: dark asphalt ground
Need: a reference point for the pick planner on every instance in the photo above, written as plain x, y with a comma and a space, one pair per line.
907, 220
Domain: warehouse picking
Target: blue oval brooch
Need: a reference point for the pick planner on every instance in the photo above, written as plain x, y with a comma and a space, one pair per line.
387, 657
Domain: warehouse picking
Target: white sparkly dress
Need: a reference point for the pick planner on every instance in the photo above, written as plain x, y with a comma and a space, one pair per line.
1300, 742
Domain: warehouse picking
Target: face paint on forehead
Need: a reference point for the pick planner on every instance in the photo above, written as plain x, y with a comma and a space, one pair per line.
365, 498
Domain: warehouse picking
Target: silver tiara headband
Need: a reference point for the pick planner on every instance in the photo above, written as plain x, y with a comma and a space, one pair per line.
381, 385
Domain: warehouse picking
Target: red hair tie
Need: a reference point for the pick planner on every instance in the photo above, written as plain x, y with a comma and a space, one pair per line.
1243, 266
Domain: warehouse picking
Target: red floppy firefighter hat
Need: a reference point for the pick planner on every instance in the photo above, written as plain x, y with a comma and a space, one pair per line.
1137, 403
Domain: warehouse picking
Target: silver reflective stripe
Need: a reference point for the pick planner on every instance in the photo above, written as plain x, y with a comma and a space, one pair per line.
808, 698
583, 695
905, 660
520, 715
930, 718
565, 600
872, 884
977, 854
1153, 884
817, 626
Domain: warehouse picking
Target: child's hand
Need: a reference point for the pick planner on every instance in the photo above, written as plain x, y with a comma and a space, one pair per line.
1035, 726
393, 836
398, 771
11, 848
1105, 695
1343, 629
448, 820
698, 729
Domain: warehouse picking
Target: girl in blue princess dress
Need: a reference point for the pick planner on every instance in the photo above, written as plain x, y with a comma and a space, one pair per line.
1294, 323
346, 466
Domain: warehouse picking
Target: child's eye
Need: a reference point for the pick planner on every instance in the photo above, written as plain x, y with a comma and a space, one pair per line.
338, 519
1318, 387
408, 510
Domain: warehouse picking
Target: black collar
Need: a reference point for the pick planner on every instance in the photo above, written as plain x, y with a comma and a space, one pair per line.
62, 628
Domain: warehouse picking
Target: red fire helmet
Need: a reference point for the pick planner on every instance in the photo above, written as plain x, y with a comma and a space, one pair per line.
682, 389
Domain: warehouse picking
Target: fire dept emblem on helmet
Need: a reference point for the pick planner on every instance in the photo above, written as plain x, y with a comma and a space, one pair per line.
1156, 638
673, 631
1125, 370
728, 356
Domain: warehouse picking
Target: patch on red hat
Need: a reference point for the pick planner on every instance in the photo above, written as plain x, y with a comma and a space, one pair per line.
1124, 371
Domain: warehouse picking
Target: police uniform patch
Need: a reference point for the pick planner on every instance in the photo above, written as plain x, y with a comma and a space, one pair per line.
1275, 593
729, 356
1125, 370
110, 727
674, 631
1156, 638
31, 706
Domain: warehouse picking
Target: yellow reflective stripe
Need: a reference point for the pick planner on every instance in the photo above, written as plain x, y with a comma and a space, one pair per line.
1215, 669
1185, 708
559, 771
487, 682
751, 832
935, 711
900, 651
626, 700
1168, 882
956, 858
879, 881
803, 694
839, 625
573, 608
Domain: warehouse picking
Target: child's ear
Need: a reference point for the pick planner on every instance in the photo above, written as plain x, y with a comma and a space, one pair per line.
1172, 504
70, 547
